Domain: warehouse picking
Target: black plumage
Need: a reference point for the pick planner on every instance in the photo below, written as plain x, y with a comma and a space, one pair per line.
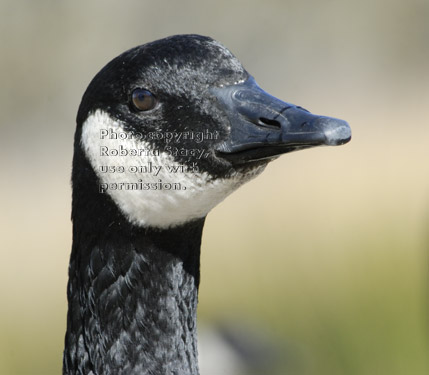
133, 279
132, 300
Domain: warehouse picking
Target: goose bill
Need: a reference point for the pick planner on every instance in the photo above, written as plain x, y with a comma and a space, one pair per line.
263, 127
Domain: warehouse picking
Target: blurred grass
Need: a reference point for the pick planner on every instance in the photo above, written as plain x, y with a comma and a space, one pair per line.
363, 314
327, 249
345, 284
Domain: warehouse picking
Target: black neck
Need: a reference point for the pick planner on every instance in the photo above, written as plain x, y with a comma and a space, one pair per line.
132, 293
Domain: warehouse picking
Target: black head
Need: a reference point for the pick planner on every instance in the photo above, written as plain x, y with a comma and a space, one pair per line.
198, 116
179, 72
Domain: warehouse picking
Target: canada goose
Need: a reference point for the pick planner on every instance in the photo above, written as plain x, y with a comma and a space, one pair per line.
165, 131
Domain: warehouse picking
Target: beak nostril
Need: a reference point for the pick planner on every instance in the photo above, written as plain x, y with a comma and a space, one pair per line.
304, 124
270, 123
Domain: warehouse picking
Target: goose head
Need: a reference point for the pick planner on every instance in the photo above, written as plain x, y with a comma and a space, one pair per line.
182, 124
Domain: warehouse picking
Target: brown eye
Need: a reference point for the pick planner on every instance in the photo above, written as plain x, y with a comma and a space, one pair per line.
143, 100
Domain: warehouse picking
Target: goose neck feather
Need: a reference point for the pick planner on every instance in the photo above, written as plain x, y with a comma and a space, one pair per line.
132, 301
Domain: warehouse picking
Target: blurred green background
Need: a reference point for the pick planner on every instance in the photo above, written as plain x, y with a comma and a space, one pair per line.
326, 251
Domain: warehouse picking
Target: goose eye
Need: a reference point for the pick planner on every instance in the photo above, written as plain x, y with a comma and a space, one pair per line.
143, 100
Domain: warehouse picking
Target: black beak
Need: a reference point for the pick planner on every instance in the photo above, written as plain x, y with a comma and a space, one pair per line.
263, 126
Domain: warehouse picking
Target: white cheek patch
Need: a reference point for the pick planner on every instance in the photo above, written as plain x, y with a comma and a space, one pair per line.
144, 187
